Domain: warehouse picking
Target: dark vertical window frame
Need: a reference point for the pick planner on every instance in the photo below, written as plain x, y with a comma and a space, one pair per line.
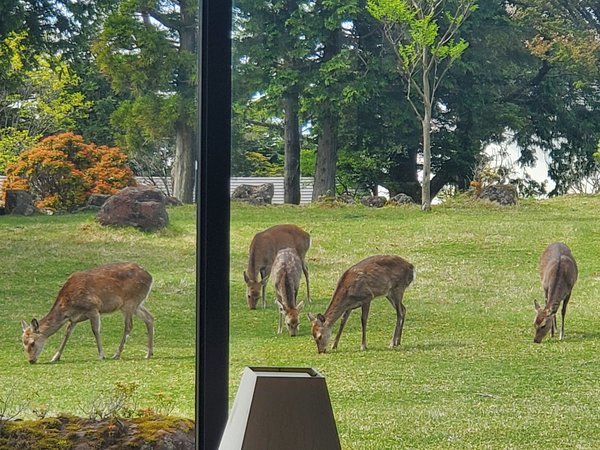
212, 257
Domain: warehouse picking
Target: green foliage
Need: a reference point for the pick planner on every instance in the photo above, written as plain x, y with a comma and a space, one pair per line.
62, 171
40, 97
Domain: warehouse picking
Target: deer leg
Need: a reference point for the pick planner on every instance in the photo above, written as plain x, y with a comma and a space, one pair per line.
562, 322
363, 321
95, 322
148, 319
395, 299
263, 288
128, 320
280, 324
68, 332
342, 325
305, 270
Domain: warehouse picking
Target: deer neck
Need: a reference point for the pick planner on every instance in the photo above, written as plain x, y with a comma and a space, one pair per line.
333, 312
51, 322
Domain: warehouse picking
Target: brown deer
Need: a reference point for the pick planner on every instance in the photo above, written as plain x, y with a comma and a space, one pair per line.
372, 277
263, 249
558, 273
85, 296
286, 272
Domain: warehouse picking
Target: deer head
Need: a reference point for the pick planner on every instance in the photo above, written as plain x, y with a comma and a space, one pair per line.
544, 321
33, 340
253, 290
291, 317
321, 333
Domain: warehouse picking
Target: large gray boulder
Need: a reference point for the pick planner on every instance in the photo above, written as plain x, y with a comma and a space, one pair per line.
401, 199
504, 194
261, 194
19, 202
373, 201
143, 207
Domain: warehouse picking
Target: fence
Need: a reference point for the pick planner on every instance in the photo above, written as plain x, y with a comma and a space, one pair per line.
306, 185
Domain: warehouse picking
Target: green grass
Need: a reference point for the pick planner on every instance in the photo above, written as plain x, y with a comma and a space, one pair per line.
467, 374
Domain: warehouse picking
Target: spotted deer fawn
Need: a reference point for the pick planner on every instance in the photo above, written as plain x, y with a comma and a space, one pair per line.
286, 273
558, 273
85, 296
263, 249
372, 277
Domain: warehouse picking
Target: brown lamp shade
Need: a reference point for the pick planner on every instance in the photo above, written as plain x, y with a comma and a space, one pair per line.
279, 408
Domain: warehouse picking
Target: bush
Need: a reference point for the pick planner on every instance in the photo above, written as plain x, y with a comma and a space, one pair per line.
62, 171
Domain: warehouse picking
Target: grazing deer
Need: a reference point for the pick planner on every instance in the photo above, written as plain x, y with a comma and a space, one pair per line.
263, 249
558, 273
372, 277
85, 296
286, 272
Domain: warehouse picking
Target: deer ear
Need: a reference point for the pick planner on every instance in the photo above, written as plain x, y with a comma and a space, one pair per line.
536, 305
300, 306
311, 317
321, 318
24, 325
246, 279
264, 280
35, 324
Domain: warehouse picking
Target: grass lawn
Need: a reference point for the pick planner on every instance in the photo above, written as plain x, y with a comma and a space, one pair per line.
467, 374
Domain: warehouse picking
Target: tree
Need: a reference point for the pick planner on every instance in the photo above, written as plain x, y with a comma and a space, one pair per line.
148, 48
276, 49
425, 50
39, 98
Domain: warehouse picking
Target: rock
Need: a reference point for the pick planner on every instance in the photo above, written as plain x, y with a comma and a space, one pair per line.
143, 207
97, 200
401, 199
373, 201
19, 202
261, 194
504, 194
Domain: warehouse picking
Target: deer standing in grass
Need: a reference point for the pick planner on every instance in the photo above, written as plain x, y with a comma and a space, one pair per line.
263, 249
286, 273
558, 272
372, 277
85, 296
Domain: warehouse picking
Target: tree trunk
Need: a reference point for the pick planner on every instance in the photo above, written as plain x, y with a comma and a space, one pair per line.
326, 163
184, 168
426, 123
291, 166
183, 171
325, 166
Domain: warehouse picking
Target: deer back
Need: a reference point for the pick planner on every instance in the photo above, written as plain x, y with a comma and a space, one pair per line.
266, 244
286, 274
372, 277
106, 288
558, 273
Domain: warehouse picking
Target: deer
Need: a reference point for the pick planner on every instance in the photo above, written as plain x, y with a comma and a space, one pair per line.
286, 273
375, 276
262, 252
558, 274
88, 294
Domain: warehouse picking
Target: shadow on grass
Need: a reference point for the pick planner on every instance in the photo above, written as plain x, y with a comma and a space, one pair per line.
426, 346
113, 361
582, 335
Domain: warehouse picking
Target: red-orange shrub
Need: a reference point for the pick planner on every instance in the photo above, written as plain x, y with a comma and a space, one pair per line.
62, 171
